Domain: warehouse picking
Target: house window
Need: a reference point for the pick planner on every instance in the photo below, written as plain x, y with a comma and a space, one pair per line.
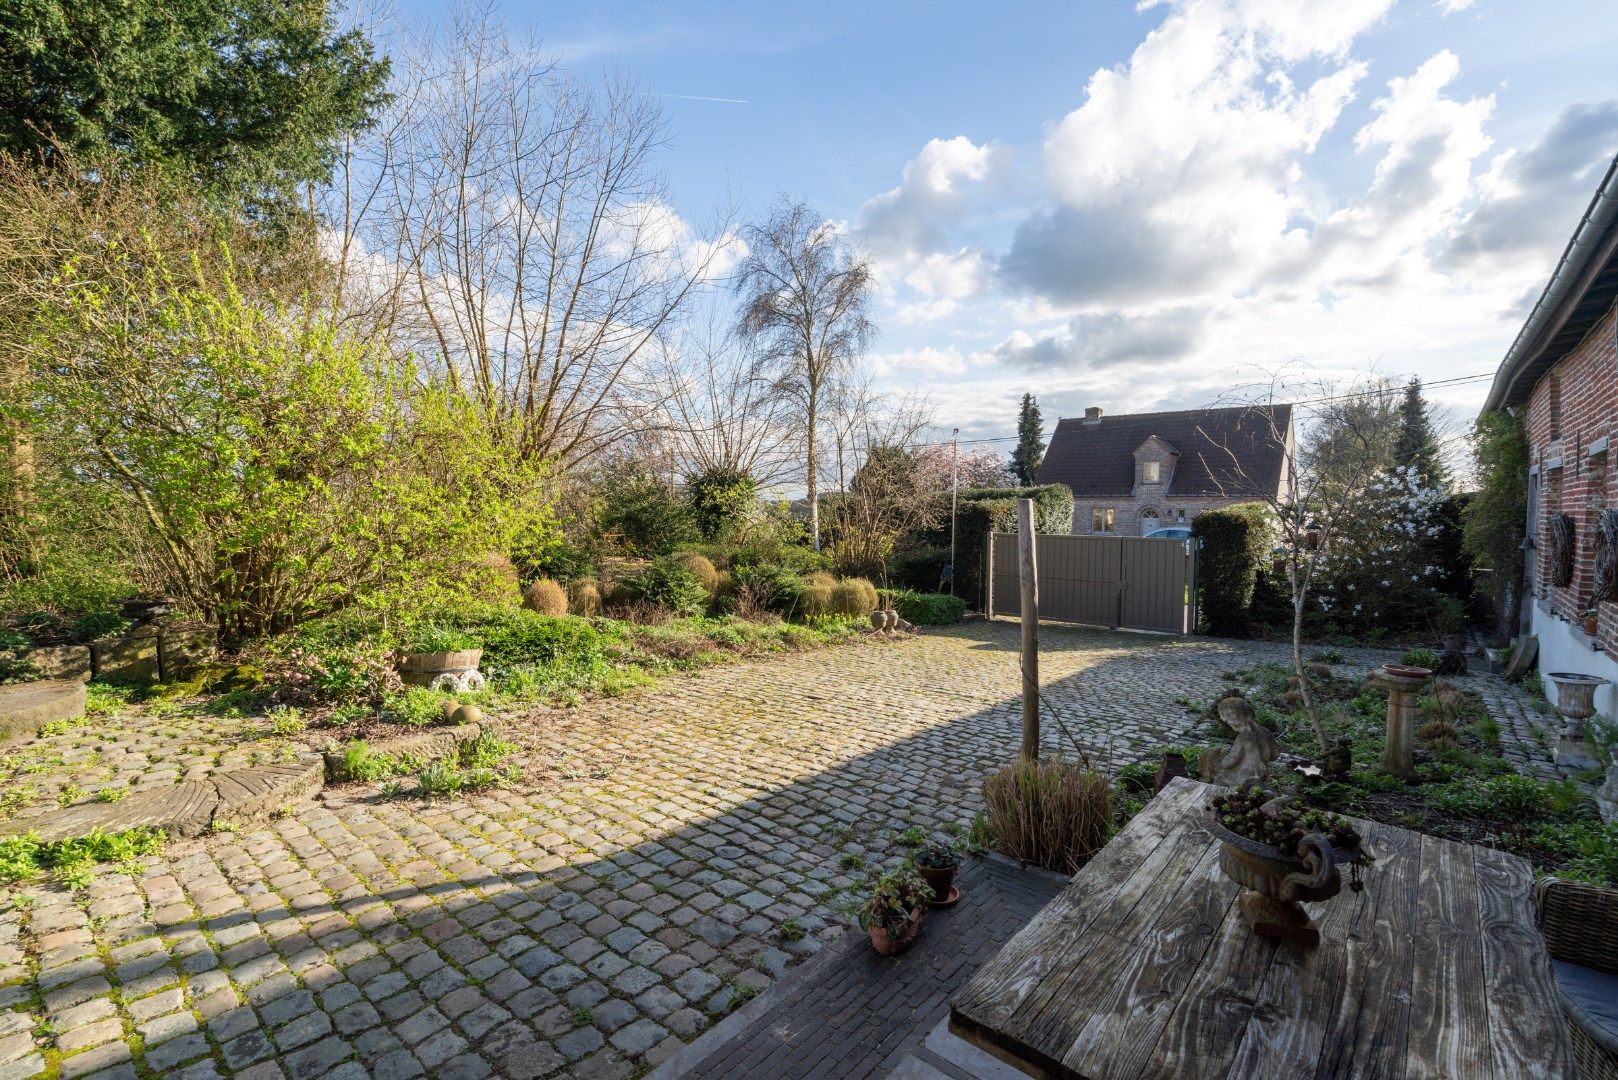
1179, 515
1152, 472
1101, 519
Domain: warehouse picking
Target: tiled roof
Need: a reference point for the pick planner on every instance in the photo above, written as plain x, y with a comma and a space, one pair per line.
1231, 452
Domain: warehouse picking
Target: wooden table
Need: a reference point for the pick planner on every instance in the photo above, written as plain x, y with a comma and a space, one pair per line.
1144, 966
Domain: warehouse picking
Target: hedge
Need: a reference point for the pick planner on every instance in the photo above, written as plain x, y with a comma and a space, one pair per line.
982, 510
926, 608
1235, 540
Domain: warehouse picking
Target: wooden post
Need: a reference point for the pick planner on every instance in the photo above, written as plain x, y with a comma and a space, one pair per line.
1028, 574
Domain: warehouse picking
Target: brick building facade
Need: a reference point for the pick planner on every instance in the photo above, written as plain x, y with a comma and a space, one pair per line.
1134, 473
1561, 378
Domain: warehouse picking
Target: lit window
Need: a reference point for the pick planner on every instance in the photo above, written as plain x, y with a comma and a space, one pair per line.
1153, 472
1101, 519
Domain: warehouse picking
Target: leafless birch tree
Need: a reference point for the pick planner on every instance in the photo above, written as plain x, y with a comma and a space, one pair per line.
805, 294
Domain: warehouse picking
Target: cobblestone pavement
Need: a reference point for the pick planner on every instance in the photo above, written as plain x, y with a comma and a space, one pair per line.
589, 921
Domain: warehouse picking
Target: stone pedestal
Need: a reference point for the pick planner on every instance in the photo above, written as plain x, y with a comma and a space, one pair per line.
1398, 755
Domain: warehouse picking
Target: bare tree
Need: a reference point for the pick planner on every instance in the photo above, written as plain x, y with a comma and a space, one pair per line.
885, 495
805, 294
508, 223
722, 412
1324, 483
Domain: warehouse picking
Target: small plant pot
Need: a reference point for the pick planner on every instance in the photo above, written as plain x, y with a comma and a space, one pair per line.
888, 946
1592, 625
940, 879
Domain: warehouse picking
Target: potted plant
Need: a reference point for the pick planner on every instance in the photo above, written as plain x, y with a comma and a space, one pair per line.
1282, 853
442, 658
893, 915
936, 862
1592, 620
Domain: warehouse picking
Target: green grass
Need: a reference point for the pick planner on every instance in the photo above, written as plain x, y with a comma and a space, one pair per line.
25, 857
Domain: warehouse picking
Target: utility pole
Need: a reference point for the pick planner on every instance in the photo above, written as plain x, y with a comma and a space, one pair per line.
1028, 575
954, 496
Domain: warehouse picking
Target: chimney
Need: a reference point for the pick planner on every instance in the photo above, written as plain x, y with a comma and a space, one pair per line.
1092, 414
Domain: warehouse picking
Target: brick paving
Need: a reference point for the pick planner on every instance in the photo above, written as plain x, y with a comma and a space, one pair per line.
589, 921
861, 1014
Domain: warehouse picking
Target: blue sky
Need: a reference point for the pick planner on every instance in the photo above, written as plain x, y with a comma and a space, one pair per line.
1246, 183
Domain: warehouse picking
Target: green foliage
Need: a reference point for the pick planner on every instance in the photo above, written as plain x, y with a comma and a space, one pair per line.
1235, 541
982, 510
416, 706
720, 500
514, 637
279, 468
853, 598
98, 624
1510, 798
361, 764
1416, 448
1495, 516
435, 637
669, 583
1424, 658
645, 516
245, 98
441, 778
926, 609
23, 857
1030, 452
1590, 847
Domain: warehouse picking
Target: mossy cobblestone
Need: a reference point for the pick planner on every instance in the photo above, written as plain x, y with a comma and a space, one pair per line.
589, 919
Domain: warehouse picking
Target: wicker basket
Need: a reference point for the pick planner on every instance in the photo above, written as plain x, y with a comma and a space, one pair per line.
1580, 924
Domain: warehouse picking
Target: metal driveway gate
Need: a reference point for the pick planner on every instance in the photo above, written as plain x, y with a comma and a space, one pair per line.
1117, 581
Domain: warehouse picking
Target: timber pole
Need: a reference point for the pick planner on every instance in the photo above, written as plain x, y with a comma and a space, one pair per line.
1026, 571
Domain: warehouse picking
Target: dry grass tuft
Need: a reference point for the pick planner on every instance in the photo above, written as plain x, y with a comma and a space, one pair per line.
1052, 813
546, 597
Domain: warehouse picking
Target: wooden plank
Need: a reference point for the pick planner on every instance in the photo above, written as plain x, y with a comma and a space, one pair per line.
1205, 1025
1449, 1033
1526, 1033
1002, 985
1287, 1028
1365, 1034
1144, 977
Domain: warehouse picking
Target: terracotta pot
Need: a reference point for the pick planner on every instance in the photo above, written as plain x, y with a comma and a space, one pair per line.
1592, 626
939, 879
887, 946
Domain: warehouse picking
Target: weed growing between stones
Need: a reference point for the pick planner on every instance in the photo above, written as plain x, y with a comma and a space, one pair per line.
23, 858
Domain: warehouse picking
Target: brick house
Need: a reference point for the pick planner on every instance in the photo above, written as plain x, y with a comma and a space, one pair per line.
1134, 473
1561, 376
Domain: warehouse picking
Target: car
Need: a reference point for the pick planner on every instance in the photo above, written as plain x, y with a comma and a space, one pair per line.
1171, 532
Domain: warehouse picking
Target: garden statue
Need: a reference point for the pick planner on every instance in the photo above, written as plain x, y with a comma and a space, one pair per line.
1247, 759
1338, 761
1607, 797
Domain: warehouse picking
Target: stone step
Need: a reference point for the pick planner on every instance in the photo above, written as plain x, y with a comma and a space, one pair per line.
27, 707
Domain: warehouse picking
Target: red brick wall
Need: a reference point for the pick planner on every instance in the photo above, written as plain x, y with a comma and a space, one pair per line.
1580, 397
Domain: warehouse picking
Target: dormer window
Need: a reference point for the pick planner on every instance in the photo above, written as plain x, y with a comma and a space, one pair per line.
1152, 472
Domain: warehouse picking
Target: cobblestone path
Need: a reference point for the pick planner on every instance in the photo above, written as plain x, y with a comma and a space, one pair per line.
678, 850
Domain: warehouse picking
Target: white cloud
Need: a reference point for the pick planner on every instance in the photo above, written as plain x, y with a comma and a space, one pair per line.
1450, 7
920, 363
912, 218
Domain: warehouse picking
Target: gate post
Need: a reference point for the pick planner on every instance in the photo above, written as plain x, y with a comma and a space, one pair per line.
988, 579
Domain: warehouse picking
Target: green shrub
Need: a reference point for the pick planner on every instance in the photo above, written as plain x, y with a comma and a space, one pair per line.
815, 595
646, 516
773, 588
98, 624
670, 584
514, 637
415, 707
720, 500
1235, 541
362, 764
920, 569
435, 637
982, 510
926, 609
1424, 658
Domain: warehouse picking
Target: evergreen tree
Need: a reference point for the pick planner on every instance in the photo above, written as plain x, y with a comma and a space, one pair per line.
1416, 448
244, 98
1030, 442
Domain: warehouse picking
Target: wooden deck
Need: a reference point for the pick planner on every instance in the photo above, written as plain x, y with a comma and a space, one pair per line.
1145, 967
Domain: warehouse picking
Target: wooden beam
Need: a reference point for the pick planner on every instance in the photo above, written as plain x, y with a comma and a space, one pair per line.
1028, 574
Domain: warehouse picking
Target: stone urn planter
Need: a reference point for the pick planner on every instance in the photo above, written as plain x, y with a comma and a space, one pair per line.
453, 671
1277, 881
1576, 701
884, 619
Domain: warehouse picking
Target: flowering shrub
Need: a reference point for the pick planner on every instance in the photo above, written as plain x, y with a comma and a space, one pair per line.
358, 673
1378, 573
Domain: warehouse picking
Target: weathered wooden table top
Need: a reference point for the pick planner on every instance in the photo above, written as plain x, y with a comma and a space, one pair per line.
1144, 966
